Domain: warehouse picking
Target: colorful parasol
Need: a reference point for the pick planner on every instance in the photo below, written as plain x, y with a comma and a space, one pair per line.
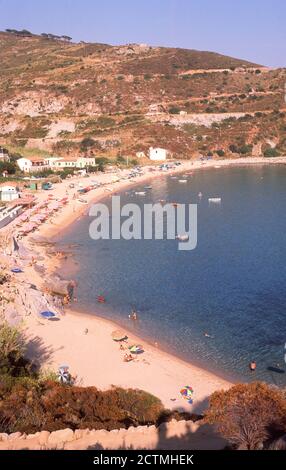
187, 393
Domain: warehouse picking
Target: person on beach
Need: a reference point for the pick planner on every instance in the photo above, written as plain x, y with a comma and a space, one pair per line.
128, 357
133, 315
252, 366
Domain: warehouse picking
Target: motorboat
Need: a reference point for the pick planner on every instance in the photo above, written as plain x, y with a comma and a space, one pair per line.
182, 238
215, 200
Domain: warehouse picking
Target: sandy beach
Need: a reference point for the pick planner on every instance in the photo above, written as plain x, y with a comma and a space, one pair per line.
83, 341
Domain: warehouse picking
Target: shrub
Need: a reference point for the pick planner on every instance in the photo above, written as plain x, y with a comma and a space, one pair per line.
120, 160
51, 406
220, 153
45, 173
105, 122
245, 149
12, 350
271, 152
87, 143
248, 414
101, 163
174, 110
11, 167
233, 148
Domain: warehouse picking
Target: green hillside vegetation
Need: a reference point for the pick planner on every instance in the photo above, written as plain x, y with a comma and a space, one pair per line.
133, 97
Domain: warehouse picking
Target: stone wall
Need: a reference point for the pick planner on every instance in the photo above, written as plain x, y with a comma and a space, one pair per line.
173, 435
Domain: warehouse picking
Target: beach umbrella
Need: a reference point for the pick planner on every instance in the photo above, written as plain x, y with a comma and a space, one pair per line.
187, 393
119, 335
47, 315
16, 270
136, 349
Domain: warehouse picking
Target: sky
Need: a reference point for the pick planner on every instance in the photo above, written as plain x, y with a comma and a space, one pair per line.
248, 29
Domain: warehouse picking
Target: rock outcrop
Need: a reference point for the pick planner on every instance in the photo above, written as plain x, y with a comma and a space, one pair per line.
173, 435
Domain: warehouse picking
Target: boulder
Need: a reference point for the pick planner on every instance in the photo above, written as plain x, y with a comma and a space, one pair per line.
57, 438
15, 435
43, 438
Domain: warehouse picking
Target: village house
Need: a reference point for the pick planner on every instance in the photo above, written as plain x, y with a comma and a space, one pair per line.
32, 164
158, 154
79, 163
9, 191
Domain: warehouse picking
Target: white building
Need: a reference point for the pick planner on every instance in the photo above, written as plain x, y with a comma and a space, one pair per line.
9, 192
158, 154
32, 164
72, 162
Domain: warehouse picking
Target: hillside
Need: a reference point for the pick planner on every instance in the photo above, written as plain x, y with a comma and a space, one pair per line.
63, 97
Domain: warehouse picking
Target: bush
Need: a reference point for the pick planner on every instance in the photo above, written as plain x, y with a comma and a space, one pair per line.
220, 153
233, 148
87, 143
271, 152
51, 406
11, 167
248, 415
120, 160
174, 110
45, 173
12, 351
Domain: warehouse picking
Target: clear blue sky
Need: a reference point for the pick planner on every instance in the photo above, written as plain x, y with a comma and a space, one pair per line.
248, 29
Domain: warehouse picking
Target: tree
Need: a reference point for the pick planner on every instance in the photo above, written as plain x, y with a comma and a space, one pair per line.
10, 167
248, 415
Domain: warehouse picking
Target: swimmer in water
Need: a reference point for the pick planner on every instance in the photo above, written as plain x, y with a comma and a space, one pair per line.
133, 315
252, 366
208, 336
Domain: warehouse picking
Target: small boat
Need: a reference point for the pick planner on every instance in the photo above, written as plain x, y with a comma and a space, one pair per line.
200, 195
183, 181
275, 369
182, 238
140, 193
82, 201
148, 187
101, 299
215, 200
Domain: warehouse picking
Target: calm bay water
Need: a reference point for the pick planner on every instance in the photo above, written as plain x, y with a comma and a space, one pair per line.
232, 286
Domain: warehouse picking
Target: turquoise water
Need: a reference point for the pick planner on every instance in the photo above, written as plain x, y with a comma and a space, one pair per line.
232, 286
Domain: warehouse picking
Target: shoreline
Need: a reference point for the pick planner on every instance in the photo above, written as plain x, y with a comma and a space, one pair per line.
99, 363
186, 166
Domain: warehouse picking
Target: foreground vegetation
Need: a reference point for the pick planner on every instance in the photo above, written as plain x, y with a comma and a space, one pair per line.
250, 416
31, 401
